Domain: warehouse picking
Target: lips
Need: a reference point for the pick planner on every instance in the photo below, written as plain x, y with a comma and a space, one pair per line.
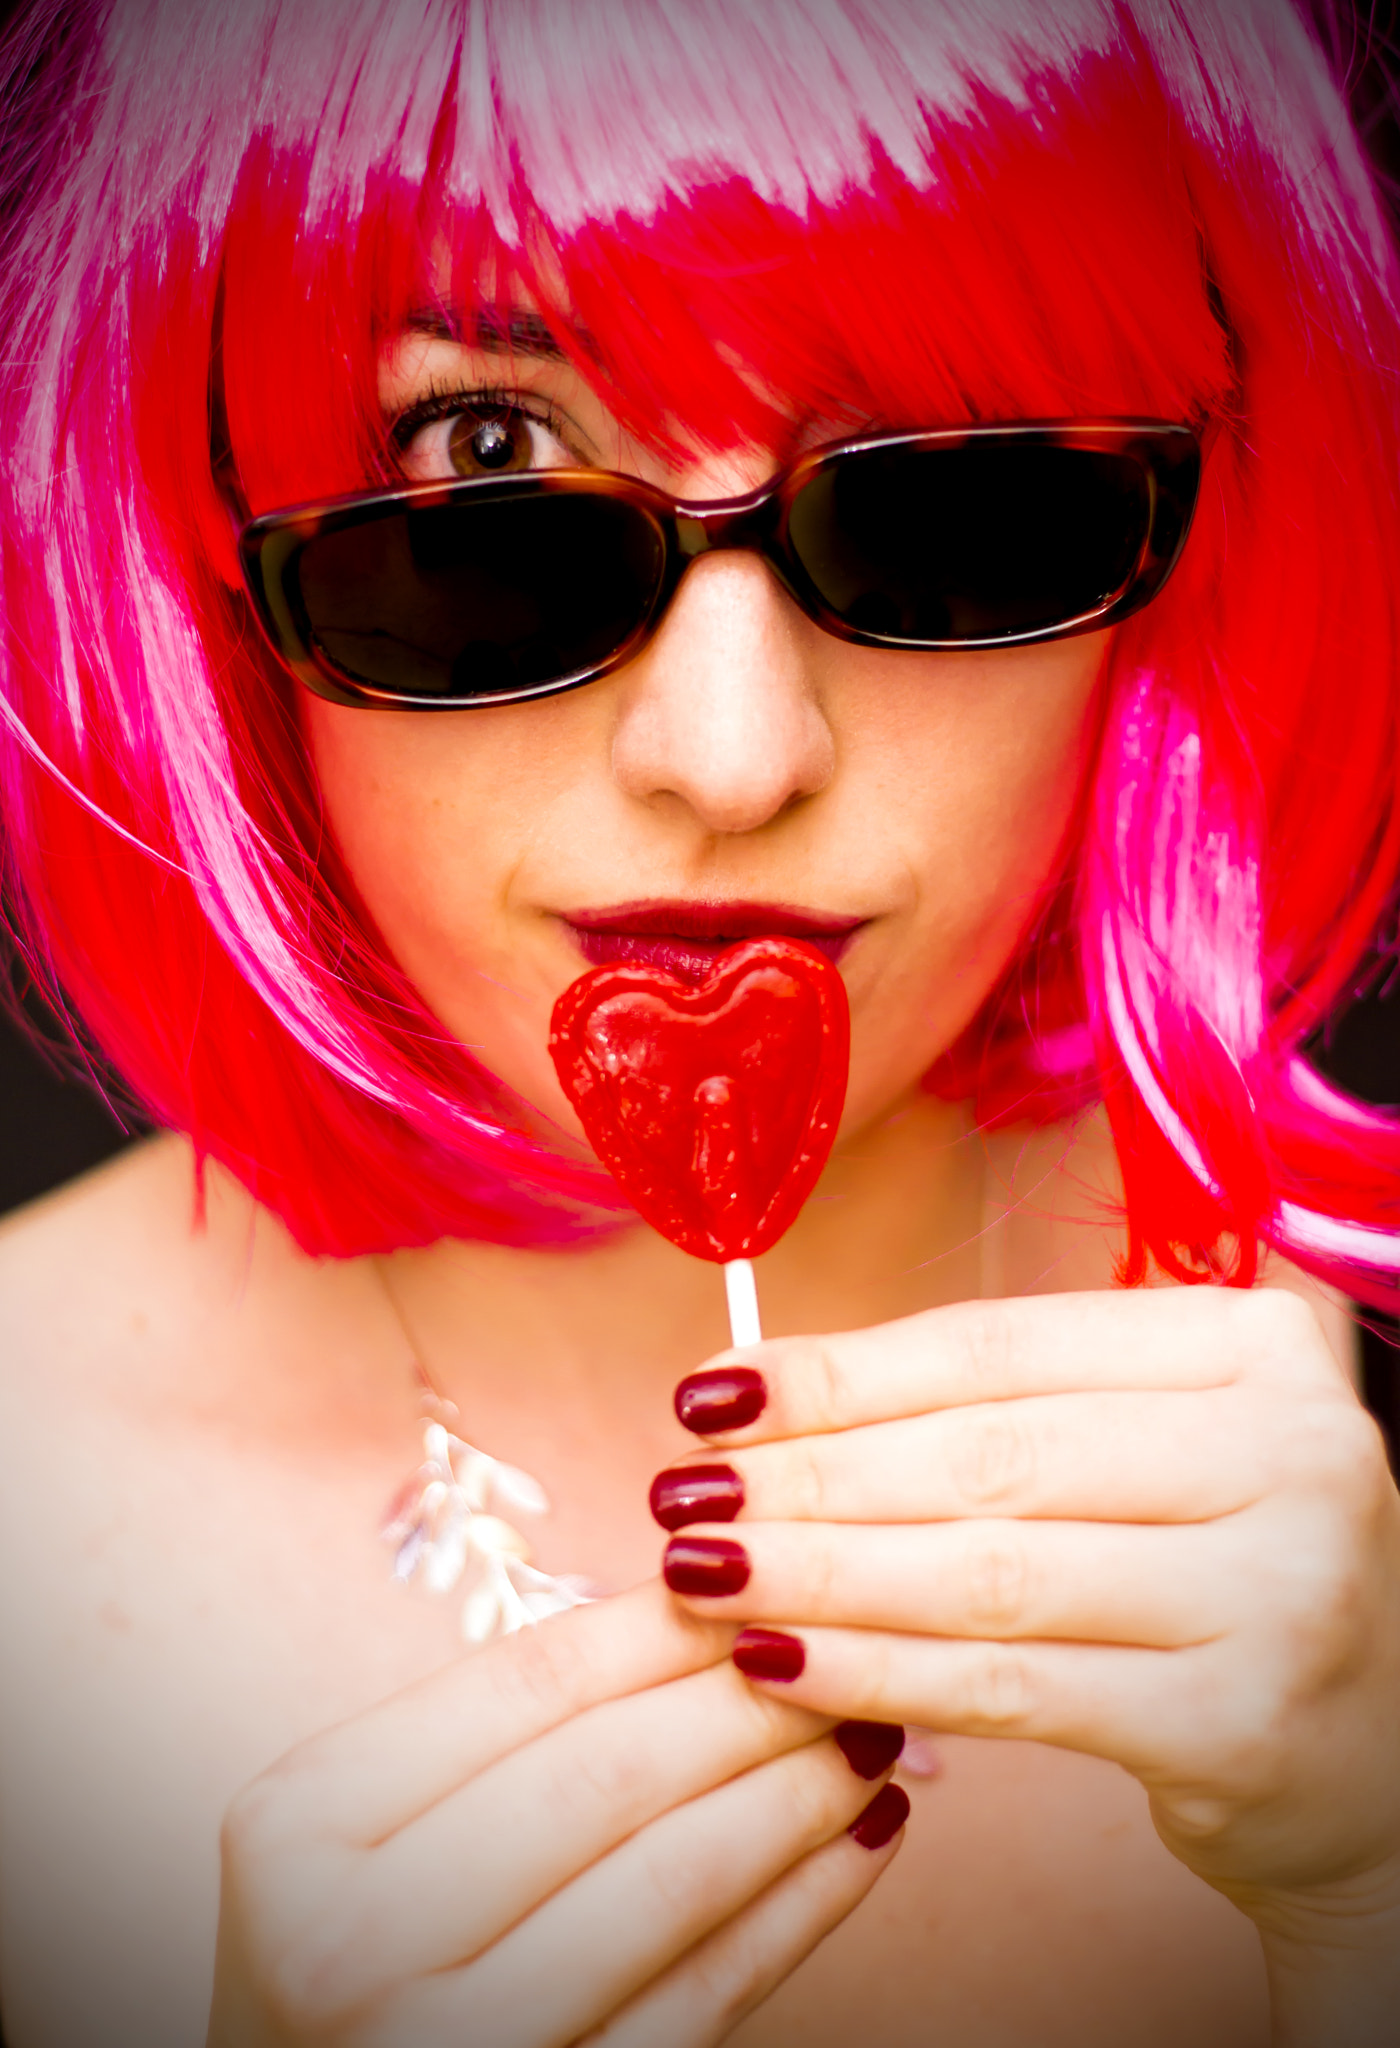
686, 938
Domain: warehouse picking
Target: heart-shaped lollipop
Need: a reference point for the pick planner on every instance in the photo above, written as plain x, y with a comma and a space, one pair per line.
714, 1106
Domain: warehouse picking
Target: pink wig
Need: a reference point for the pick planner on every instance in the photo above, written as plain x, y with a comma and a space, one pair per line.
908, 212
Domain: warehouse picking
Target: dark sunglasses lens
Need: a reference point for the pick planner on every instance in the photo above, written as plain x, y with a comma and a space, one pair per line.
464, 600
970, 541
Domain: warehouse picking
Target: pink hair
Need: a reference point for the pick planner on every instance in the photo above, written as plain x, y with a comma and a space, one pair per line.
894, 212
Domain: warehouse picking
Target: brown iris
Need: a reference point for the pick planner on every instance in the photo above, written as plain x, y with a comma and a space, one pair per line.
490, 446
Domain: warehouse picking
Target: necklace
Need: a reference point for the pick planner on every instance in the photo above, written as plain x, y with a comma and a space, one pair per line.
445, 1528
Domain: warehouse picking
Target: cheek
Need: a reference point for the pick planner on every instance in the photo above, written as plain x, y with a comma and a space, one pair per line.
436, 815
434, 811
394, 800
447, 822
977, 775
1001, 797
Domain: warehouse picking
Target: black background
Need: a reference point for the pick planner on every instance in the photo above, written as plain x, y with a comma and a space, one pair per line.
54, 1123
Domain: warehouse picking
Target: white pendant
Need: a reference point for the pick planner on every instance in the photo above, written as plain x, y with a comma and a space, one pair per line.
442, 1530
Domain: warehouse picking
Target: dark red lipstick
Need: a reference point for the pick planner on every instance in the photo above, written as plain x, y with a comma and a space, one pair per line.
685, 938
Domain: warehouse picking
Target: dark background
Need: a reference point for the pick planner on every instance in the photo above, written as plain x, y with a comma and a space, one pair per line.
54, 1122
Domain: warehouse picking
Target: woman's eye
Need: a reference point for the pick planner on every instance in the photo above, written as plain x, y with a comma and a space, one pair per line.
479, 442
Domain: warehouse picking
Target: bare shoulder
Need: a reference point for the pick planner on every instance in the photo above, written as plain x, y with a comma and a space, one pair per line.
85, 1264
137, 1284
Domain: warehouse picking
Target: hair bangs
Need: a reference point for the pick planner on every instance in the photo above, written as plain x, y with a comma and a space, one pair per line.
932, 245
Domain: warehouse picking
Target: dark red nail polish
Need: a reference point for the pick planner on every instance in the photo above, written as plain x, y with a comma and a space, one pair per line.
885, 1816
869, 1747
708, 1565
768, 1653
696, 1493
730, 1397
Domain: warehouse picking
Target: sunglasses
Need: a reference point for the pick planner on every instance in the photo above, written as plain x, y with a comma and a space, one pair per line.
495, 590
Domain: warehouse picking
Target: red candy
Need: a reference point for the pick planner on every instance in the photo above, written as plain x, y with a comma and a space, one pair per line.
714, 1107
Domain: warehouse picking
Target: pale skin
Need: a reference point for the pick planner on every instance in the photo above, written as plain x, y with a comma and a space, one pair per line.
1154, 1528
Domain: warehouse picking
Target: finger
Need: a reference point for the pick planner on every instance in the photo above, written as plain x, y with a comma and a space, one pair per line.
595, 1944
1143, 1457
562, 1802
1003, 1350
358, 1783
1161, 1588
1145, 1709
701, 2000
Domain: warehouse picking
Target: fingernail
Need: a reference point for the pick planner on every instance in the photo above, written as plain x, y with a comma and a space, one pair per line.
768, 1653
730, 1397
869, 1747
696, 1493
885, 1816
708, 1565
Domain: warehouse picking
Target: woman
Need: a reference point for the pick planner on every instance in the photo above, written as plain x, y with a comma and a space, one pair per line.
311, 843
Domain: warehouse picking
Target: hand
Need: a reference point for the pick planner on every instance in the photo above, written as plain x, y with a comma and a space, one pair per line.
1156, 1526
592, 1829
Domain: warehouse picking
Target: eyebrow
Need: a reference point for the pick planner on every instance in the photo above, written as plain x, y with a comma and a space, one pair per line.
514, 333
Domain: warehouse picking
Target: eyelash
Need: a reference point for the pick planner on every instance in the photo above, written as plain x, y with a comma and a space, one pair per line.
443, 402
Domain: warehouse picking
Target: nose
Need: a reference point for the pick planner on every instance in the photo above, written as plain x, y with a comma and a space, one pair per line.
722, 712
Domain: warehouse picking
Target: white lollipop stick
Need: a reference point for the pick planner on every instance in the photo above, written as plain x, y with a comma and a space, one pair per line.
739, 1288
